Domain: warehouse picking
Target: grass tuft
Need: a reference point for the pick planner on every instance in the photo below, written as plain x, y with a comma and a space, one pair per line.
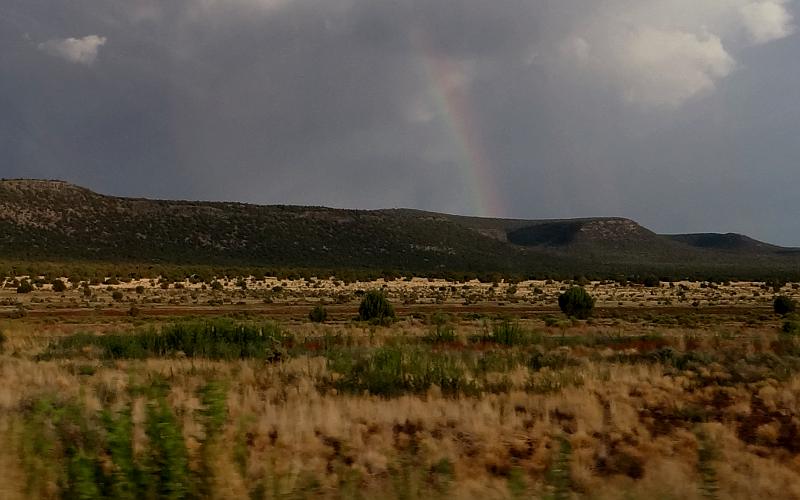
219, 339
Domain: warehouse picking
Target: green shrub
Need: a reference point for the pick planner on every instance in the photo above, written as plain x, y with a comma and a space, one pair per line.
318, 315
213, 416
117, 295
394, 371
59, 286
220, 339
509, 333
558, 476
506, 333
791, 327
576, 302
375, 306
439, 318
25, 287
651, 281
441, 334
784, 305
554, 360
127, 476
69, 451
167, 457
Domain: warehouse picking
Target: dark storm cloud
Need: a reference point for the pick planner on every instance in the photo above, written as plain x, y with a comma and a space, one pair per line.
679, 114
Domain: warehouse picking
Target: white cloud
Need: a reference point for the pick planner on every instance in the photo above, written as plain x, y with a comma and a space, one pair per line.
78, 50
659, 54
766, 21
666, 68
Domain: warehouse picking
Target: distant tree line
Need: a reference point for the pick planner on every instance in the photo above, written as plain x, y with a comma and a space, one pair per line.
97, 272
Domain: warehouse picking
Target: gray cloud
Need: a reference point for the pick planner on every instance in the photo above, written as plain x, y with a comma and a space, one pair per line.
678, 114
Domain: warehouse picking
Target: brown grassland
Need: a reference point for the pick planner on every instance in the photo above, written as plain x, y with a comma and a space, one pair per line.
476, 390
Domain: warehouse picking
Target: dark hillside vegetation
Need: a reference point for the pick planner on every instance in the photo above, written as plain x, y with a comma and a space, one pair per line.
729, 242
59, 222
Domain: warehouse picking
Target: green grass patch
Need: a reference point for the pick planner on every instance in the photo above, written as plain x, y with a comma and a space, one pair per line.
395, 370
220, 339
441, 334
507, 333
90, 454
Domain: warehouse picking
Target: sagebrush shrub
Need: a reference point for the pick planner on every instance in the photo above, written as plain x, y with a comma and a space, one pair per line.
375, 306
783, 305
576, 302
791, 327
318, 315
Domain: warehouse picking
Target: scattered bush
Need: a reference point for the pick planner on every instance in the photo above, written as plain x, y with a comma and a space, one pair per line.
509, 334
25, 287
318, 315
439, 318
791, 327
550, 321
375, 306
651, 281
576, 302
783, 305
117, 295
59, 286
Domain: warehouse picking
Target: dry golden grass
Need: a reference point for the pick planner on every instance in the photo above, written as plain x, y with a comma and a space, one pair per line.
632, 426
419, 291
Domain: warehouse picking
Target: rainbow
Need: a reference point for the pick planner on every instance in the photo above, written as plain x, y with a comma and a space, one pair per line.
453, 104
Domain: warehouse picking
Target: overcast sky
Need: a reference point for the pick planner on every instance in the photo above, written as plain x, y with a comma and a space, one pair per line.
680, 114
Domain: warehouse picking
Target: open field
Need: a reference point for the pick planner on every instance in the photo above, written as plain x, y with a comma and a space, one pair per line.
478, 390
284, 297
